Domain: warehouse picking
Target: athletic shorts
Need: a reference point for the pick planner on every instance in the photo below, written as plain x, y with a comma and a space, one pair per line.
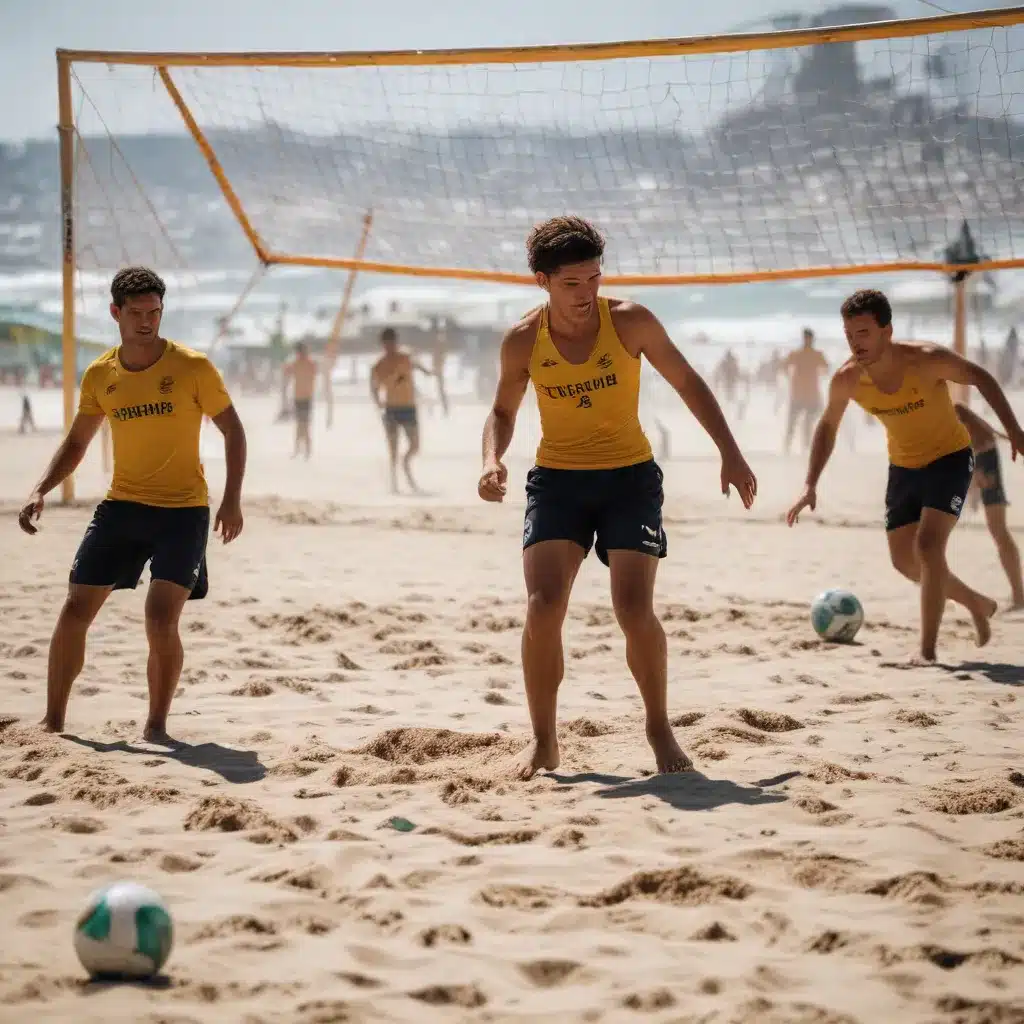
400, 416
942, 485
621, 508
124, 535
990, 477
303, 407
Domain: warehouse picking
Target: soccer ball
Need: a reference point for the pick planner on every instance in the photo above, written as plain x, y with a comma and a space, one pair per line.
124, 930
836, 615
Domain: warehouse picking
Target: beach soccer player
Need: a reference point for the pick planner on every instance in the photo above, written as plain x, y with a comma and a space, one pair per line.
931, 462
988, 482
392, 375
301, 372
154, 393
594, 478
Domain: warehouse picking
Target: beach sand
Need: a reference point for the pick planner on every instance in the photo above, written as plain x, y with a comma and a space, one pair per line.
849, 848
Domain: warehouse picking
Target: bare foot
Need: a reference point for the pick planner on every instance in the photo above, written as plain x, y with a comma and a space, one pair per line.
535, 757
668, 755
981, 617
1015, 605
155, 734
50, 726
922, 660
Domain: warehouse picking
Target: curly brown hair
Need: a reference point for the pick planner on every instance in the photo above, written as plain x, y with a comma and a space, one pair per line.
561, 241
868, 301
131, 281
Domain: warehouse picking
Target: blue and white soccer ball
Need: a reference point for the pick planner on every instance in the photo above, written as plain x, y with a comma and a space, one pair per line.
837, 615
125, 931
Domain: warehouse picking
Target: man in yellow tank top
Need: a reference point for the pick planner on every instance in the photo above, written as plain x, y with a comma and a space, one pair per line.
595, 478
154, 393
930, 458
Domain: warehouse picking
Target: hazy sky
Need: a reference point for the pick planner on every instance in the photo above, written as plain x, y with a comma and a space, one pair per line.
33, 29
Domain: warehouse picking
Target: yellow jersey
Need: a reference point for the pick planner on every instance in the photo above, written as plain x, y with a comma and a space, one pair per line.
155, 416
588, 411
921, 424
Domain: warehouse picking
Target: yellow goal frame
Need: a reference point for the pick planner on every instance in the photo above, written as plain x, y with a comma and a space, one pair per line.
687, 46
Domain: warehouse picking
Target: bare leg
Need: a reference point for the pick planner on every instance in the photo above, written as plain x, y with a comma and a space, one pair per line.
918, 551
1009, 555
164, 603
67, 649
413, 434
790, 427
391, 434
632, 582
550, 569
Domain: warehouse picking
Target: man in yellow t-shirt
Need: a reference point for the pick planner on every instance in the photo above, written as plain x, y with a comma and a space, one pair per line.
906, 388
154, 393
595, 482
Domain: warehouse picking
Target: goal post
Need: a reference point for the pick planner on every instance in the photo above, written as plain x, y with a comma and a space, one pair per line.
805, 153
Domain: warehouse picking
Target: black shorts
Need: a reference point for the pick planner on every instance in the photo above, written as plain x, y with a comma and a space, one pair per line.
990, 477
303, 407
620, 507
400, 416
124, 535
942, 485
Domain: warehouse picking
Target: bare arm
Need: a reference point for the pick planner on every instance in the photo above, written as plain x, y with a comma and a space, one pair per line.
231, 427
70, 452
375, 384
944, 364
840, 392
650, 339
513, 378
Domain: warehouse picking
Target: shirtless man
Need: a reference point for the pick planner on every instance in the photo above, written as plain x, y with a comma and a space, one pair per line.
595, 475
930, 459
804, 366
988, 479
302, 373
393, 374
729, 377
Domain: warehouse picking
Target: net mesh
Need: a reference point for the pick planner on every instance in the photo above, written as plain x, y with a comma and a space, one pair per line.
833, 155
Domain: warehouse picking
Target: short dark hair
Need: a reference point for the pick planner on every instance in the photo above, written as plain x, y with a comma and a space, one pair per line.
389, 334
131, 281
561, 241
871, 302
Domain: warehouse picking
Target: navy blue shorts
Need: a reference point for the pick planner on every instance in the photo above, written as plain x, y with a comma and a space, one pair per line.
619, 508
942, 485
400, 416
990, 477
124, 535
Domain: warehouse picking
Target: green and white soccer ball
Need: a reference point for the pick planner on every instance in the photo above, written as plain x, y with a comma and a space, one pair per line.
124, 930
836, 615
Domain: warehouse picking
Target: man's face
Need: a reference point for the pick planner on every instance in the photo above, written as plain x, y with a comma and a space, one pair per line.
138, 320
808, 339
390, 346
867, 340
573, 289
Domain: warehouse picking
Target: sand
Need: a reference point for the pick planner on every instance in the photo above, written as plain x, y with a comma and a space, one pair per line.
849, 848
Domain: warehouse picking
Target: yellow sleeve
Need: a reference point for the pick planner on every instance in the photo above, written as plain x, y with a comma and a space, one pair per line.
88, 402
213, 395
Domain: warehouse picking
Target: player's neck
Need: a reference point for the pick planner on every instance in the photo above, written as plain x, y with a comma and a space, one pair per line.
136, 356
887, 369
574, 329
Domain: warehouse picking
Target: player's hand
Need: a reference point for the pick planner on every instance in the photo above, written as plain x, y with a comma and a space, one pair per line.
493, 482
1016, 439
32, 509
809, 499
736, 473
229, 520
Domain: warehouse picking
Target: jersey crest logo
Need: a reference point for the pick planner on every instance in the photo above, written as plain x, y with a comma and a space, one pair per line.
604, 361
111, 388
584, 402
549, 362
166, 383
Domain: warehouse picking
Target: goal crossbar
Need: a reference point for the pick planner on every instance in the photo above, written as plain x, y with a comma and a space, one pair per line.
677, 47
